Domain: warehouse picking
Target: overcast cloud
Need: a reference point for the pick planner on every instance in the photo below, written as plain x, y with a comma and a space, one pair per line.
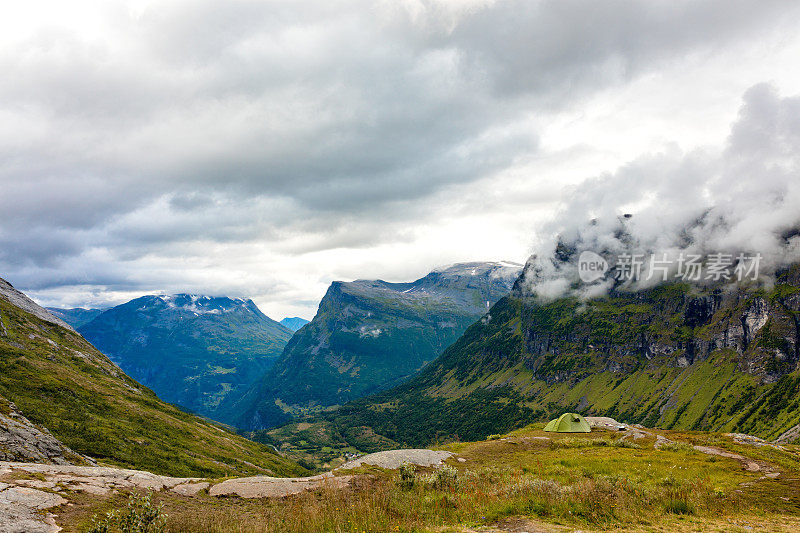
264, 149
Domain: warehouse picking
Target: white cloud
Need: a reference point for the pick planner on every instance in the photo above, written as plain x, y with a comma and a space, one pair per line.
265, 148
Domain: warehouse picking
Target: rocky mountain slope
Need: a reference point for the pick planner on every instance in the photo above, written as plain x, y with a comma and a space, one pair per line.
58, 381
369, 335
722, 357
21, 301
22, 440
193, 351
75, 316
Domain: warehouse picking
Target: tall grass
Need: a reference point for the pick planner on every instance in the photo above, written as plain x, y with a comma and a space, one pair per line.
415, 501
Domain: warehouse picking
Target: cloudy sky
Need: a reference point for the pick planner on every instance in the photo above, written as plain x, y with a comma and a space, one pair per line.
264, 149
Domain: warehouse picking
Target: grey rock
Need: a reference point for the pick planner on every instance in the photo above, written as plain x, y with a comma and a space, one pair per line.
20, 510
275, 487
396, 458
16, 298
21, 440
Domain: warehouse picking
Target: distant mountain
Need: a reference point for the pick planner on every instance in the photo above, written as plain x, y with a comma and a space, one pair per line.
294, 323
57, 388
193, 351
75, 316
719, 357
370, 335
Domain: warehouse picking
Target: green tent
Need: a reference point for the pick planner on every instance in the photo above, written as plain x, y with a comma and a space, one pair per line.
569, 423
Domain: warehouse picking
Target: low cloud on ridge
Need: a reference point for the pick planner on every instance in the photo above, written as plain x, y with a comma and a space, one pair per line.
739, 198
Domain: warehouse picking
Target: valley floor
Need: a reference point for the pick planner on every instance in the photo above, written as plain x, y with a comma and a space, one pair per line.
638, 480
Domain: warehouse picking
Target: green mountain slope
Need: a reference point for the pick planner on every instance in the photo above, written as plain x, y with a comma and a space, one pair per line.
193, 351
75, 316
61, 382
370, 335
723, 358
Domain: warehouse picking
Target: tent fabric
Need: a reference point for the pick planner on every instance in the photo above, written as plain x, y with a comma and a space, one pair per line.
569, 423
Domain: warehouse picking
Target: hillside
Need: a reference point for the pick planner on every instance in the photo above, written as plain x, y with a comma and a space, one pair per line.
58, 381
370, 335
75, 316
193, 351
719, 358
637, 480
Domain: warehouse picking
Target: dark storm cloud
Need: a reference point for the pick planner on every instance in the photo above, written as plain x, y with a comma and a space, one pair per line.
236, 121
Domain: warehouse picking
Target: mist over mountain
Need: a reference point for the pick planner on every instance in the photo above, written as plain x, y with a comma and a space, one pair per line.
722, 356
715, 353
369, 335
192, 350
672, 203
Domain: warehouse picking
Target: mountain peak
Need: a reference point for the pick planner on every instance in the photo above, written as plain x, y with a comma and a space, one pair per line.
201, 304
371, 334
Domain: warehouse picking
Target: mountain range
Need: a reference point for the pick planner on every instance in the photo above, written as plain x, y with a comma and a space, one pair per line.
61, 400
75, 316
294, 323
194, 351
720, 357
369, 335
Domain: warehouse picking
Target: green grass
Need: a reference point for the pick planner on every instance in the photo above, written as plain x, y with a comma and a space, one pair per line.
583, 482
59, 381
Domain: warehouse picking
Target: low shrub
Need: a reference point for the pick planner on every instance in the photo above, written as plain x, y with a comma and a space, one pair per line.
676, 446
139, 516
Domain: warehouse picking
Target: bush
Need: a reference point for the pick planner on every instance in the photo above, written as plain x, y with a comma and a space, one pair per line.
622, 443
674, 446
139, 516
679, 507
445, 477
572, 442
407, 474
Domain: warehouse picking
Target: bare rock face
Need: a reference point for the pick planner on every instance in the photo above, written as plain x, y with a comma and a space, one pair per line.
21, 440
21, 510
790, 436
15, 297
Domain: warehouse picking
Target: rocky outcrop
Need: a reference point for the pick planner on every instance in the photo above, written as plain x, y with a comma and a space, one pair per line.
15, 297
789, 436
21, 440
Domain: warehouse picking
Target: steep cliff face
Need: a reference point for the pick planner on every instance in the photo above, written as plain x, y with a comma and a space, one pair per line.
369, 335
721, 357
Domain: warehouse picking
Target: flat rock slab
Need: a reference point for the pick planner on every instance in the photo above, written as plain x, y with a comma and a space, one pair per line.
605, 422
275, 487
20, 510
95, 479
748, 464
35, 499
190, 489
396, 458
722, 453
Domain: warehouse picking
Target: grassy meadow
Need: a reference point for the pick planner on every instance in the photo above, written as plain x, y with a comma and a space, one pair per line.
530, 481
